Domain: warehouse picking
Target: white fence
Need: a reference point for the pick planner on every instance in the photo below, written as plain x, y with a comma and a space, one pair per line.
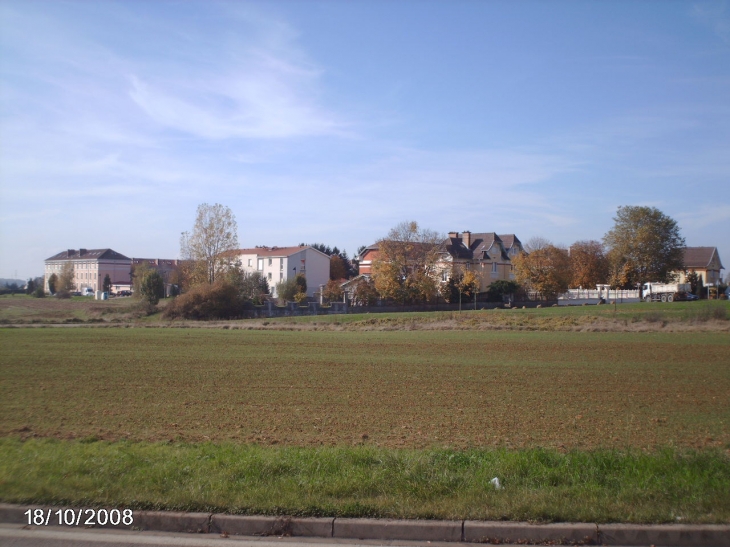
608, 294
593, 296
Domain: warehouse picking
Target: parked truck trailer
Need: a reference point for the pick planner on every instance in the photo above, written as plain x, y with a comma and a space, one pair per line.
666, 292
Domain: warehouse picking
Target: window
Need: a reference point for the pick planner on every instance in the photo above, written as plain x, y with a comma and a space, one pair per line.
494, 267
281, 276
260, 265
269, 276
271, 261
249, 262
281, 263
444, 275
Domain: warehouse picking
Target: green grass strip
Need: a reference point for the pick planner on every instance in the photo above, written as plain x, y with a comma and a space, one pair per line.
539, 485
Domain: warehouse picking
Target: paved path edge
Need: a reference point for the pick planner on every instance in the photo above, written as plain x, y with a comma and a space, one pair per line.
668, 535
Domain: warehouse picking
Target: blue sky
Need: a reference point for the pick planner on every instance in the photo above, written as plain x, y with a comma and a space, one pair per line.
333, 121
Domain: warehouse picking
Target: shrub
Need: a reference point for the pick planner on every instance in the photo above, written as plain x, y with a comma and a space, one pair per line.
286, 290
501, 288
365, 293
39, 292
332, 291
152, 287
301, 282
218, 301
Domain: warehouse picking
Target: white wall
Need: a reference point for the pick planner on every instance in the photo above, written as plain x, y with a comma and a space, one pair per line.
316, 268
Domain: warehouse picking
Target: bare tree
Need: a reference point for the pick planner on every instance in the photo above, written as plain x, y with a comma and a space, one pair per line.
537, 243
215, 232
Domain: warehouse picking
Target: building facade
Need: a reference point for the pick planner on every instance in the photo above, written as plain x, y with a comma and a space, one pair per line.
279, 264
90, 267
703, 260
487, 254
166, 267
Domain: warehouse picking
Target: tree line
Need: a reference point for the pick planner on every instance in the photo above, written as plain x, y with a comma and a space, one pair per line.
643, 245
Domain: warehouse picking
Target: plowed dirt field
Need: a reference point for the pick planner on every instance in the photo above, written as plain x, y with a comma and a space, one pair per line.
392, 389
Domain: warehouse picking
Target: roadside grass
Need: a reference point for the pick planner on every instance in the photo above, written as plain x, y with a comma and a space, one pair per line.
702, 315
396, 389
538, 484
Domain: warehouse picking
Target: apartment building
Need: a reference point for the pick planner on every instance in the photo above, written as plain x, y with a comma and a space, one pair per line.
278, 264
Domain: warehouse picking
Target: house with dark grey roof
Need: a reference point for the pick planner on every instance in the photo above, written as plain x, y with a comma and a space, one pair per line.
488, 254
90, 267
703, 260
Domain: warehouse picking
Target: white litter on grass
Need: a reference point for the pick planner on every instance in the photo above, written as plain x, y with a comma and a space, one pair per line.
496, 483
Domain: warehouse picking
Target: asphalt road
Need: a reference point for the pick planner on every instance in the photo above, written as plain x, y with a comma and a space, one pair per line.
14, 535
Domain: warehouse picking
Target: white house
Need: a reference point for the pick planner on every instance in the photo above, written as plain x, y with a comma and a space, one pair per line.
278, 264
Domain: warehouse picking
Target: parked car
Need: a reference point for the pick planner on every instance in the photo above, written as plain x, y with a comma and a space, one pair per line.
690, 296
87, 292
124, 293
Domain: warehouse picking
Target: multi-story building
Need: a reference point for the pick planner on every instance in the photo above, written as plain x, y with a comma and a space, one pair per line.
90, 267
278, 264
489, 255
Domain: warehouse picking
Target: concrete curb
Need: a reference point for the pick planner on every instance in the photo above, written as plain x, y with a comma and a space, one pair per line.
516, 532
419, 530
666, 535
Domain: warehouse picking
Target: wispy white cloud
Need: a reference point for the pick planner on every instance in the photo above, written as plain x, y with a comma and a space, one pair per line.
706, 215
715, 15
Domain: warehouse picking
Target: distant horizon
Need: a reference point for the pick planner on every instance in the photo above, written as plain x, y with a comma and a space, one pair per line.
332, 122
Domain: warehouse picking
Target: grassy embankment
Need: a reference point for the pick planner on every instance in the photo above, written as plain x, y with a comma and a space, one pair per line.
677, 316
578, 426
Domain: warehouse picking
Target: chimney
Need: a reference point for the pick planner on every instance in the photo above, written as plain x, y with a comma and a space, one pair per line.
82, 252
71, 252
454, 235
466, 238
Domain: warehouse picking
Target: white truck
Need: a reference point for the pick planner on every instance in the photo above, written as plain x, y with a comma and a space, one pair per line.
666, 292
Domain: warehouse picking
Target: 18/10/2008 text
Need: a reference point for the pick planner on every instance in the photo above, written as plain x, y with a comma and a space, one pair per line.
79, 517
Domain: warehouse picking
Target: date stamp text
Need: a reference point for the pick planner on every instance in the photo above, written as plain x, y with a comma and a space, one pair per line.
79, 517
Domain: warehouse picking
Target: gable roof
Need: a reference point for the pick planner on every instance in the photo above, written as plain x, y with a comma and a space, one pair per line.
479, 245
275, 251
509, 240
89, 254
700, 257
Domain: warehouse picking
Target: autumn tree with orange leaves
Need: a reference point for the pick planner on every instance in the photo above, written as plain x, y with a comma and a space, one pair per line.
546, 270
589, 265
405, 268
